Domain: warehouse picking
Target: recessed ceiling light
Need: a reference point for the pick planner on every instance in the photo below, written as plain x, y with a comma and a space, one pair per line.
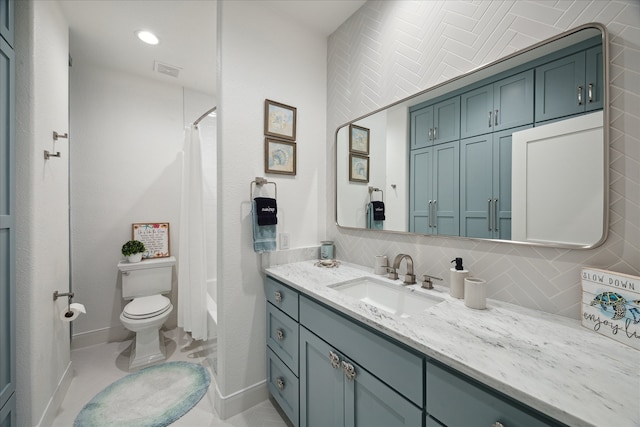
147, 37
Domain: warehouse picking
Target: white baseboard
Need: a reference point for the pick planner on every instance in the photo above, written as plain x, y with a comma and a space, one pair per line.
240, 401
56, 399
100, 336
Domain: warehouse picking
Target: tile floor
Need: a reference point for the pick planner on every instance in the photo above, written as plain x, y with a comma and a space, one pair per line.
96, 367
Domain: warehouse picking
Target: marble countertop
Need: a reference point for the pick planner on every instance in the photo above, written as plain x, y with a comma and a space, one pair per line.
548, 362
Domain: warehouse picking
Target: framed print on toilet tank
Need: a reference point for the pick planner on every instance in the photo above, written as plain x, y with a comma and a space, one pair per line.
155, 236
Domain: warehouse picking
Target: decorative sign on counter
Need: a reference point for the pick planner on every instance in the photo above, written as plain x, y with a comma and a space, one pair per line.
611, 305
155, 237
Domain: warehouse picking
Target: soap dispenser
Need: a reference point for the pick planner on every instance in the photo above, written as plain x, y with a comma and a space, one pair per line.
457, 276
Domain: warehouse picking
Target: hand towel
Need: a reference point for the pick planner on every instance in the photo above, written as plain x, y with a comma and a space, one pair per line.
264, 236
267, 210
371, 222
378, 211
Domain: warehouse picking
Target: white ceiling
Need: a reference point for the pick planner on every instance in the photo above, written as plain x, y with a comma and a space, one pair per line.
102, 31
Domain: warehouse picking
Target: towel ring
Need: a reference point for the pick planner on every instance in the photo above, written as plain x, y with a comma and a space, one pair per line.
371, 190
259, 182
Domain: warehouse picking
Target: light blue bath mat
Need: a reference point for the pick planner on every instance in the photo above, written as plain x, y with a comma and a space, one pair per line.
152, 397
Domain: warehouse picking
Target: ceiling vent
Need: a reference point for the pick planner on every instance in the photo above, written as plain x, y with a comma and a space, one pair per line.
169, 70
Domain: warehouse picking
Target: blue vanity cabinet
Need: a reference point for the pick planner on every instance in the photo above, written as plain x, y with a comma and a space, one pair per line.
435, 124
7, 219
570, 85
456, 401
504, 104
434, 202
485, 185
350, 376
282, 347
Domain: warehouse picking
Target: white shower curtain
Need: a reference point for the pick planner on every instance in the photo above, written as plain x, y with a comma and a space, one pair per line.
192, 267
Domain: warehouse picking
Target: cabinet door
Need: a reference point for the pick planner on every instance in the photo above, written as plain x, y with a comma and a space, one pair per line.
594, 79
446, 189
420, 199
7, 224
513, 101
560, 87
446, 121
6, 20
422, 127
8, 413
476, 189
321, 384
371, 403
476, 111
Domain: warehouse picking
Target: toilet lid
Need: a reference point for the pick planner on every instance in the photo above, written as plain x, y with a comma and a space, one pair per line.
145, 307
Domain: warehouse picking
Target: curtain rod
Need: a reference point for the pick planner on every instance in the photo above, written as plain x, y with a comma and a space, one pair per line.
199, 119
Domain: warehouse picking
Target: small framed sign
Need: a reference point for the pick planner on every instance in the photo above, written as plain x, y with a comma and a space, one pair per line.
155, 236
611, 305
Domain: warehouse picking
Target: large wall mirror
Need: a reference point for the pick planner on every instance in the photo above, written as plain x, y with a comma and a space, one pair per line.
515, 151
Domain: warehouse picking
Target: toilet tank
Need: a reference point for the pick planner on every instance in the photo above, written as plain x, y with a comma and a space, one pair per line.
147, 277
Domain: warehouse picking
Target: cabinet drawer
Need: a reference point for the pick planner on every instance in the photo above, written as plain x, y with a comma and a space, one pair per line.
282, 337
283, 386
455, 401
282, 296
397, 367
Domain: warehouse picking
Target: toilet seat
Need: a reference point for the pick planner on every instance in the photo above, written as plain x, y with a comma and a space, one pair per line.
146, 307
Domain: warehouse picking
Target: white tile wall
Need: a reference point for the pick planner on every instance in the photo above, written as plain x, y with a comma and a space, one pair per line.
389, 50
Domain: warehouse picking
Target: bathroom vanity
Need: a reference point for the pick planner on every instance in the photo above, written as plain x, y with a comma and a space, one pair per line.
334, 359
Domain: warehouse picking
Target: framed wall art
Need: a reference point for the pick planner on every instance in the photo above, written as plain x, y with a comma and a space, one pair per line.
155, 236
279, 120
358, 139
279, 156
358, 168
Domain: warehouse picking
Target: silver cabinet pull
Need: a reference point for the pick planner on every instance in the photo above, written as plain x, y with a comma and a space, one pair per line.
430, 134
278, 296
435, 133
435, 210
334, 359
280, 383
495, 214
280, 334
497, 424
349, 371
590, 92
429, 214
489, 214
489, 118
495, 118
579, 95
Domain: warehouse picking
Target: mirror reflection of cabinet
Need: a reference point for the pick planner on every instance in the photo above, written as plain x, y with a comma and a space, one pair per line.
435, 124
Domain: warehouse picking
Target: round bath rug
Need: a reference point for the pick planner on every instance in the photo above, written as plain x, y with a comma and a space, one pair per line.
152, 397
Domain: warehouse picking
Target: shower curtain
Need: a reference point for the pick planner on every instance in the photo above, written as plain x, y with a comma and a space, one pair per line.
192, 267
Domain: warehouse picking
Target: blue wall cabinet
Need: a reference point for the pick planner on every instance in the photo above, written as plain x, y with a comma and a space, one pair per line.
570, 85
504, 104
7, 223
435, 124
485, 185
434, 202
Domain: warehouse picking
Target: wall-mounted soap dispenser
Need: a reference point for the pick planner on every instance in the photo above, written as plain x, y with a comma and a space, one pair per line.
457, 276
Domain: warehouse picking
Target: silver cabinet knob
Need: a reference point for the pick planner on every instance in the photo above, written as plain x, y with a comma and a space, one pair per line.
280, 383
279, 334
278, 296
349, 371
334, 359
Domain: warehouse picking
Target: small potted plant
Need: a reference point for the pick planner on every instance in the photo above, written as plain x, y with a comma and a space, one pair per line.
133, 250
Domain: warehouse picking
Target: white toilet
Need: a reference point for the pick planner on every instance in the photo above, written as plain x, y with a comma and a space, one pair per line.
144, 283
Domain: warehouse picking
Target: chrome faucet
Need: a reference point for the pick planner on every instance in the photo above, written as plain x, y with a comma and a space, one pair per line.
409, 278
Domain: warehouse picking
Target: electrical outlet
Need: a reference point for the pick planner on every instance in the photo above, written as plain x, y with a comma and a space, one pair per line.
284, 240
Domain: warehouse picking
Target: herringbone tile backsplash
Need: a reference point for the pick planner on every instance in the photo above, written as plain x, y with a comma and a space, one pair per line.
389, 50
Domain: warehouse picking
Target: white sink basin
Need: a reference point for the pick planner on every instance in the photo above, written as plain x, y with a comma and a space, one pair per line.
392, 298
